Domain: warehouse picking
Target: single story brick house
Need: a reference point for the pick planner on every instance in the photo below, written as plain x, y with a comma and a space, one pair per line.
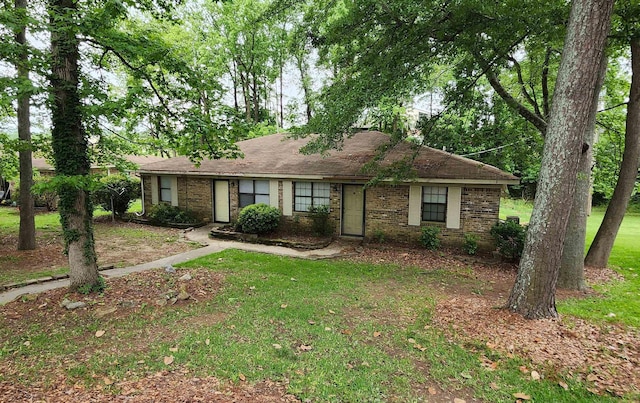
457, 194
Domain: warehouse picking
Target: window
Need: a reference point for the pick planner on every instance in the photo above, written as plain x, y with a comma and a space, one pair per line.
253, 192
434, 203
307, 194
165, 188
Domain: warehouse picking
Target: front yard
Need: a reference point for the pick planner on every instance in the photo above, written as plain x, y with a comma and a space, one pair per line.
409, 327
118, 244
384, 324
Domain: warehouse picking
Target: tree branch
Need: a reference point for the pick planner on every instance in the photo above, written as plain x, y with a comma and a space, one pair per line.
545, 83
525, 112
140, 70
523, 87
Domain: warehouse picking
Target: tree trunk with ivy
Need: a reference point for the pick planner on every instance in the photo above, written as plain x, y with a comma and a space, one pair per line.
70, 147
533, 294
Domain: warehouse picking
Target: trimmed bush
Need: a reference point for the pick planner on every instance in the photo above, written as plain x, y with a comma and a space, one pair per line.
429, 237
258, 219
509, 237
166, 213
123, 189
320, 219
470, 244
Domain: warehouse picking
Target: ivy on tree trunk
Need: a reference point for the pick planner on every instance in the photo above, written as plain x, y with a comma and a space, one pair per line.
70, 147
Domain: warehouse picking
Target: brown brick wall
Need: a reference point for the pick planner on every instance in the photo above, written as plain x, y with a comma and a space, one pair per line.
301, 221
146, 183
196, 194
387, 213
386, 210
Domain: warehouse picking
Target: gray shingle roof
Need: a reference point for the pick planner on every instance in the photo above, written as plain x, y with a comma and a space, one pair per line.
278, 156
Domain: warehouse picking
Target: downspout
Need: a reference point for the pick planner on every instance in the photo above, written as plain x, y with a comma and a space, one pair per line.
140, 214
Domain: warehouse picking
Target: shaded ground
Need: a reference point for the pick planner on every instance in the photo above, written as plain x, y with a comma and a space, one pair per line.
119, 244
607, 356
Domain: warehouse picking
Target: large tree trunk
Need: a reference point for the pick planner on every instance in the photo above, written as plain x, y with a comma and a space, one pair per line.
600, 249
27, 232
571, 275
70, 147
533, 294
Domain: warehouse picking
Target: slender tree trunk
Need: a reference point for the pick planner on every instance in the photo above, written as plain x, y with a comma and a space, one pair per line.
600, 249
256, 99
70, 146
533, 294
27, 232
281, 92
306, 87
234, 79
571, 274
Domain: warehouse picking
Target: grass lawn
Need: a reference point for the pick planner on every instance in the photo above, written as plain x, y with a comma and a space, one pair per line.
332, 330
620, 301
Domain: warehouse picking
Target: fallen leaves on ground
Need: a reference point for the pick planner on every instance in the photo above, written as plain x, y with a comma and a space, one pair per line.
162, 387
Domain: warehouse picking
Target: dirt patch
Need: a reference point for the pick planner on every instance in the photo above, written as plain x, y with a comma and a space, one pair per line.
112, 248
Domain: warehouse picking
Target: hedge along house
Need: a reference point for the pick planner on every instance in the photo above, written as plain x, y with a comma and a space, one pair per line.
457, 194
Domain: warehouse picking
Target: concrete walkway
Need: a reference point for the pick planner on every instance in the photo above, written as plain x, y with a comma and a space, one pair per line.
200, 235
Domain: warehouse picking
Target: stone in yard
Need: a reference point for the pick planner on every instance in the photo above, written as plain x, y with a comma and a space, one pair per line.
75, 305
186, 277
128, 304
101, 313
170, 294
169, 269
184, 295
64, 303
161, 302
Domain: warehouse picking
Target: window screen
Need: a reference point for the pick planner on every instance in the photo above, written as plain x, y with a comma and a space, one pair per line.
307, 194
253, 192
434, 203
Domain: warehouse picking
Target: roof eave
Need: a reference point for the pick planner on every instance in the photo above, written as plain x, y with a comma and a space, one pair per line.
358, 178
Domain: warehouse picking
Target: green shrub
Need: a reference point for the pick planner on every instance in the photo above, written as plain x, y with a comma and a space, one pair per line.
166, 213
258, 219
429, 237
378, 236
470, 244
509, 237
321, 225
44, 194
123, 189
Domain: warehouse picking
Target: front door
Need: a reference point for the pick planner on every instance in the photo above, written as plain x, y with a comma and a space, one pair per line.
353, 210
221, 201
